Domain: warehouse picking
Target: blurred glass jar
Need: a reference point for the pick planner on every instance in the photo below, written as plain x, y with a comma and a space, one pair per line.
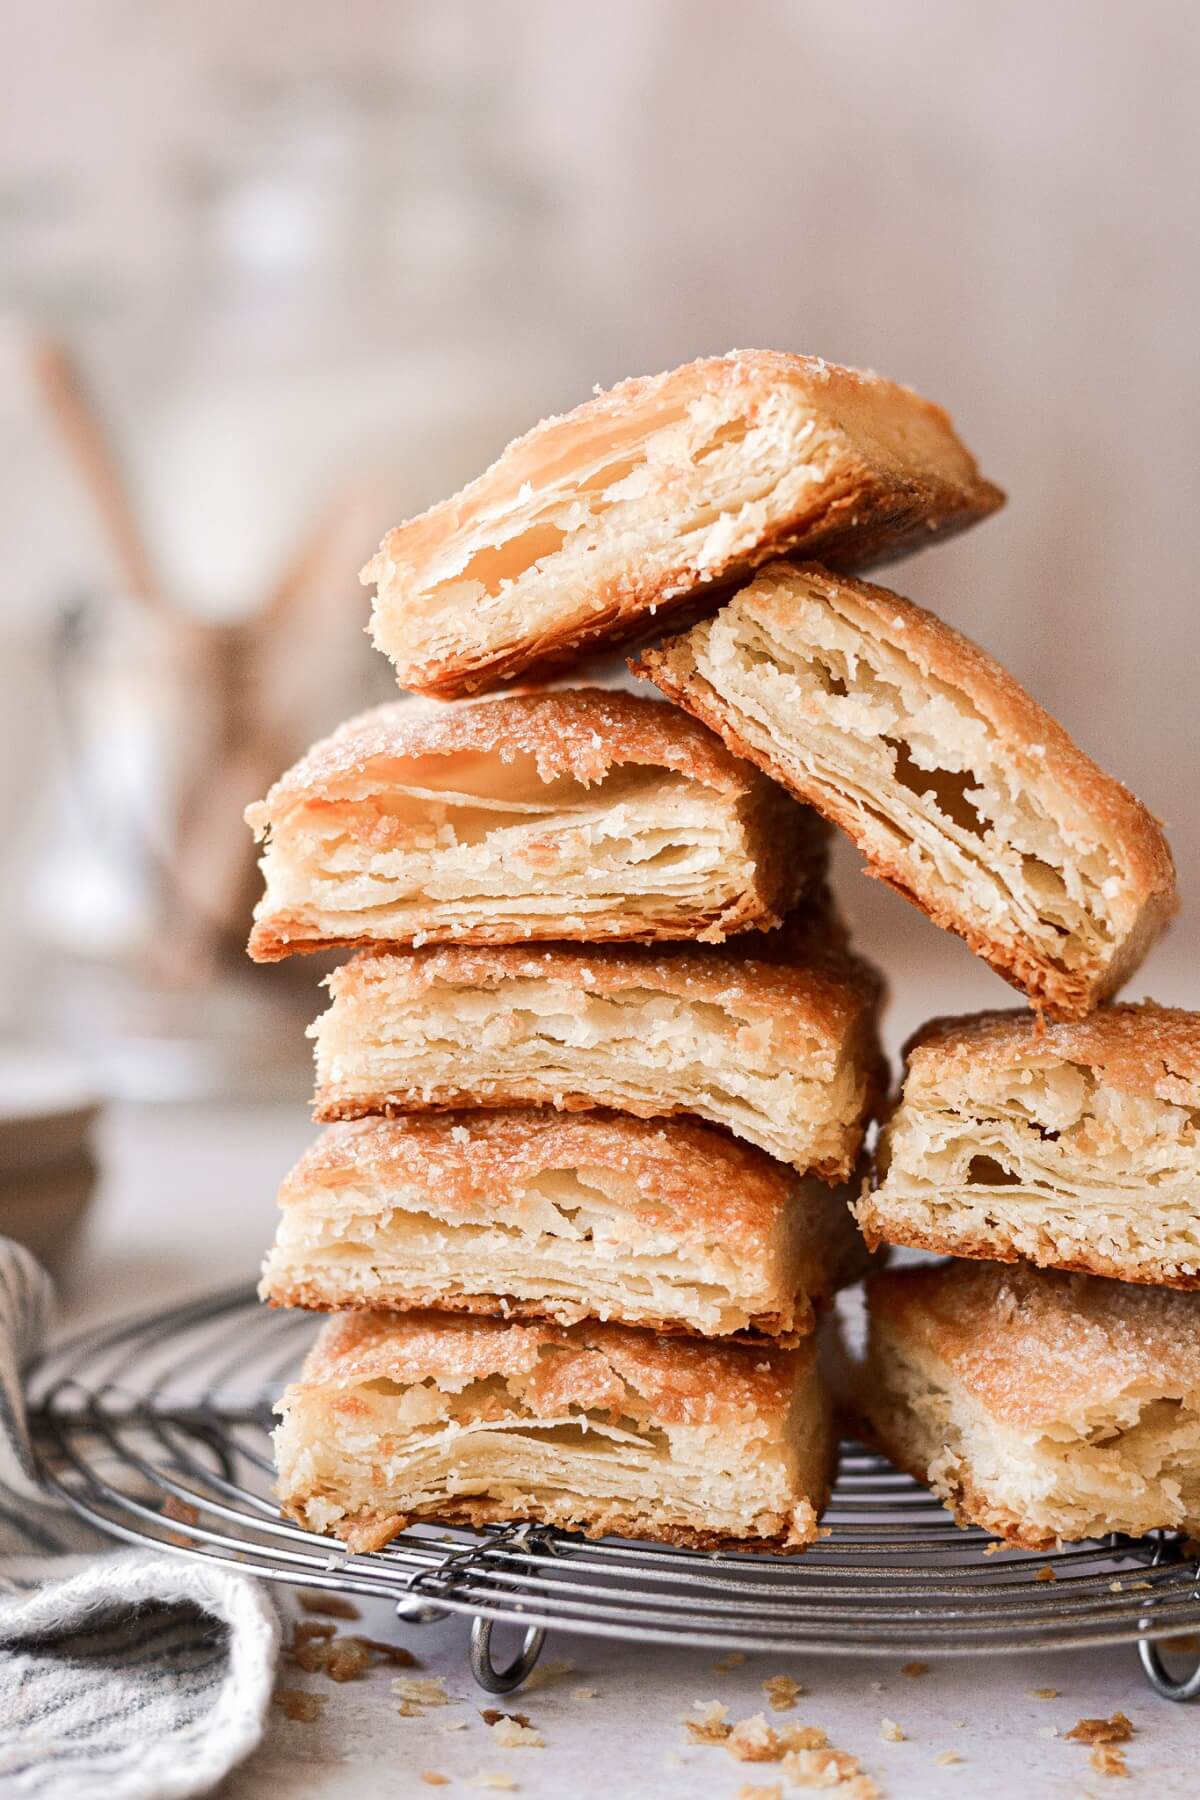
363, 292
353, 312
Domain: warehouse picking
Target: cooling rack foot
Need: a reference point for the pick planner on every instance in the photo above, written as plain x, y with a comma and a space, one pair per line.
503, 1681
1160, 1681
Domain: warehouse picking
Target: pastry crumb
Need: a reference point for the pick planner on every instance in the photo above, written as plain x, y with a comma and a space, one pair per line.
1117, 1730
516, 1734
425, 1690
1041, 1693
393, 1654
348, 1659
914, 1670
748, 1791
1045, 1573
708, 1724
179, 1510
1107, 1759
333, 1606
827, 1768
733, 1661
491, 1778
431, 1778
890, 1732
782, 1692
946, 1757
583, 1693
453, 1725
752, 1740
297, 1705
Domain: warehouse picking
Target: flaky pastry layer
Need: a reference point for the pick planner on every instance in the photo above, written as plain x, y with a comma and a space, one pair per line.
1076, 1146
781, 1049
650, 497
1045, 1407
593, 1428
537, 1214
963, 794
582, 813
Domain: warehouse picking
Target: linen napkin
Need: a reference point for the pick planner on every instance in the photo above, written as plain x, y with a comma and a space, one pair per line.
122, 1676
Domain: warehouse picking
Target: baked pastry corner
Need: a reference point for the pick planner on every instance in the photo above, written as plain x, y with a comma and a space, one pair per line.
643, 503
594, 1428
1071, 1146
962, 793
1045, 1407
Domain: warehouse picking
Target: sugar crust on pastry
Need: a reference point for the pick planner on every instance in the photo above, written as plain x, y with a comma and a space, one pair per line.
592, 1428
583, 813
648, 497
1076, 1146
781, 1048
666, 1224
963, 794
1043, 1406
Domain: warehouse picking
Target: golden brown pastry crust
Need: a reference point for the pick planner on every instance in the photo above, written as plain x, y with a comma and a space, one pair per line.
606, 1370
581, 733
681, 1383
1114, 1192
1032, 1346
1044, 1407
366, 1531
695, 1184
1141, 1048
1029, 733
805, 984
887, 476
879, 1229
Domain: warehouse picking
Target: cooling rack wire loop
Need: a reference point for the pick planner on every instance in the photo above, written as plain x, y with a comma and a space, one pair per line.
157, 1431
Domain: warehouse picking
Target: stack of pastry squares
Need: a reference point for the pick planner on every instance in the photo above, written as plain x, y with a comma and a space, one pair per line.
598, 1081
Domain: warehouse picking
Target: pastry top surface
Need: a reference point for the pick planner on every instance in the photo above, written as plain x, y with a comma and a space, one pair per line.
682, 1169
589, 1366
706, 470
940, 652
1144, 1049
578, 732
803, 985
1037, 1347
854, 398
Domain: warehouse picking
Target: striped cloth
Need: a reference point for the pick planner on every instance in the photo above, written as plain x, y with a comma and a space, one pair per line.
125, 1675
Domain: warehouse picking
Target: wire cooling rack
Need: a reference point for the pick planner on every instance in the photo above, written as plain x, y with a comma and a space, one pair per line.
156, 1430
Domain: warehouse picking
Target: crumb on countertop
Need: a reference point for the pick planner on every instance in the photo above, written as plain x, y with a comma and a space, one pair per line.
782, 1692
298, 1706
1117, 1730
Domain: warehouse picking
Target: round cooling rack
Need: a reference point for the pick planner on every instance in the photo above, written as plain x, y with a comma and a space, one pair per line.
157, 1430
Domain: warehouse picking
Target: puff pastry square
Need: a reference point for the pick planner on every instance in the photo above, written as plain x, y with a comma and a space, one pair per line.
538, 1214
961, 792
782, 1050
592, 1428
648, 497
1040, 1405
1076, 1146
585, 813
